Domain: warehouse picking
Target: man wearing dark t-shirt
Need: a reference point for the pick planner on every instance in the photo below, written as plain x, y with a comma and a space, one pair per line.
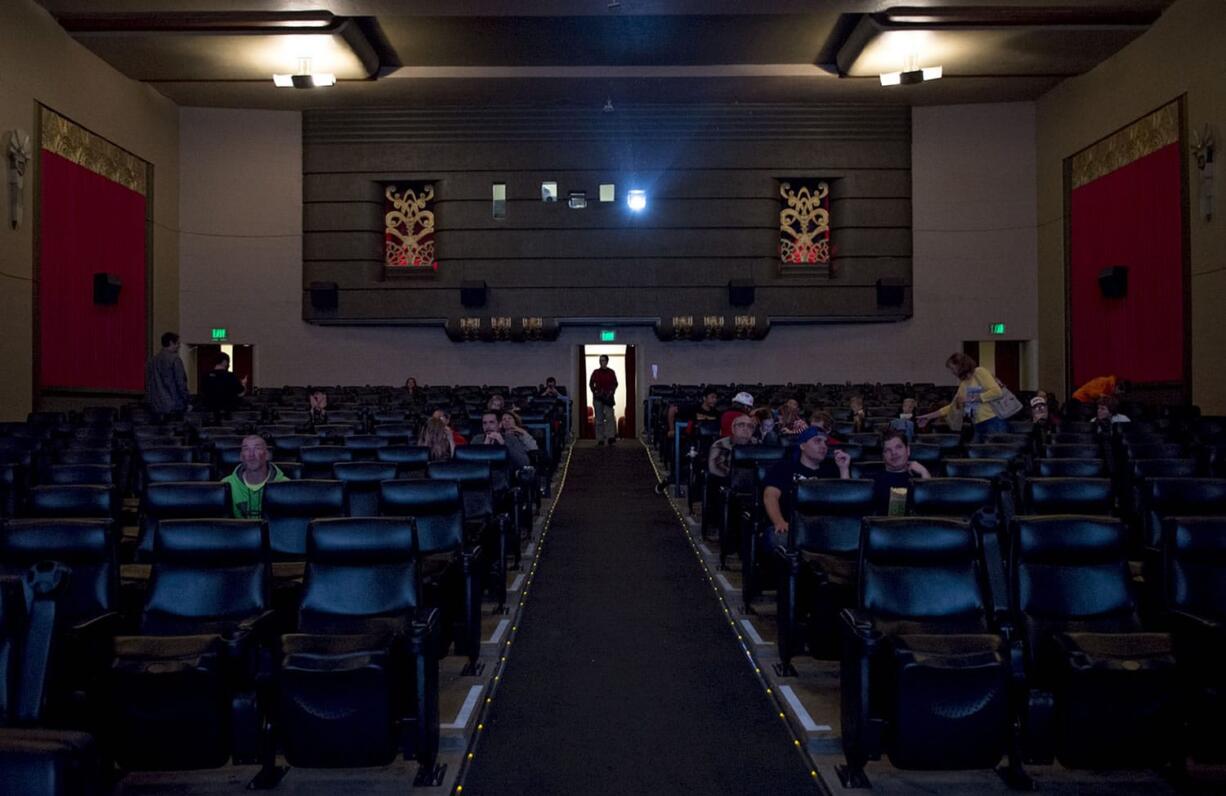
221, 390
898, 472
808, 461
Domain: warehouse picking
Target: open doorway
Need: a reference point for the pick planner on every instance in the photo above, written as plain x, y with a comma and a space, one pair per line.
621, 361
1005, 358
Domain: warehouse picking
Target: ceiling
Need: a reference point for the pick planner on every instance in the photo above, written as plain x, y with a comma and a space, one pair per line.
587, 52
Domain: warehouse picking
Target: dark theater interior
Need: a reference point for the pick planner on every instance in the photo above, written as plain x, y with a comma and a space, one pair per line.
612, 397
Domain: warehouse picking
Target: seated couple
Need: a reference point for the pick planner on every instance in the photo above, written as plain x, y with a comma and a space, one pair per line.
809, 460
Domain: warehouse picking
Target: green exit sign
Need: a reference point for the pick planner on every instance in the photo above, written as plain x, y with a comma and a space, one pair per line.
218, 335
997, 328
607, 335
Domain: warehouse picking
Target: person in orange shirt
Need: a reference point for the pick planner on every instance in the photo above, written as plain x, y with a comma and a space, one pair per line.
1094, 389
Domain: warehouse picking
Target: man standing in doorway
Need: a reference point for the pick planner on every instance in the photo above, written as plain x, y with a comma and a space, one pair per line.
603, 385
166, 380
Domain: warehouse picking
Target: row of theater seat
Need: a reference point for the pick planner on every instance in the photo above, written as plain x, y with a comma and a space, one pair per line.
208, 672
947, 662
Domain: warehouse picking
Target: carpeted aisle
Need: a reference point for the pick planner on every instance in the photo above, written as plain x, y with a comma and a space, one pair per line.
625, 677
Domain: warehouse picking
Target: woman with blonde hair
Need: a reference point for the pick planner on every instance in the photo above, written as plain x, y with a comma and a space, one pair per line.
436, 437
977, 389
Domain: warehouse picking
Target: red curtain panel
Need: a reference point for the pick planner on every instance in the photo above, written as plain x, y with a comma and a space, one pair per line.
89, 224
1130, 217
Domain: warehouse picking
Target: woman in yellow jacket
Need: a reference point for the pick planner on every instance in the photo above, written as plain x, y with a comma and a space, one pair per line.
977, 387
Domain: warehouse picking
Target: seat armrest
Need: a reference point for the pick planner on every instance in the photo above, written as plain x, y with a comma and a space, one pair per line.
1195, 623
858, 628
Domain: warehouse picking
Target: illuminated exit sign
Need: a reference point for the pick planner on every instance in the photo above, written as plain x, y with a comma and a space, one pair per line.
219, 335
607, 335
997, 328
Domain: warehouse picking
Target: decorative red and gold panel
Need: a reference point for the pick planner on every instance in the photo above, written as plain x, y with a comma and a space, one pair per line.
409, 227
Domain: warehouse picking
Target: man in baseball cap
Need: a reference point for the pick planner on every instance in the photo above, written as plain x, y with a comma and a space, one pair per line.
808, 460
742, 404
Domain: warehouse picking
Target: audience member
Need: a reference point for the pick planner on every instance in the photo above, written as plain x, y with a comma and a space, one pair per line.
693, 413
221, 391
768, 429
438, 439
790, 421
1041, 414
856, 405
318, 405
719, 460
456, 437
517, 437
808, 460
1107, 415
905, 422
977, 388
550, 390
249, 477
899, 469
166, 380
742, 404
603, 385
411, 391
496, 402
1100, 387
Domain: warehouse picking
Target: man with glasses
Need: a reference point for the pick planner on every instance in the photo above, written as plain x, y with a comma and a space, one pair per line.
248, 479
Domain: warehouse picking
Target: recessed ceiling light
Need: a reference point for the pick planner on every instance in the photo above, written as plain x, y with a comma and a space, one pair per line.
911, 73
304, 78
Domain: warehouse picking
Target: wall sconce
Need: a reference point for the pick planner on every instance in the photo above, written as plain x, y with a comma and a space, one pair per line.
19, 154
712, 326
500, 328
1202, 150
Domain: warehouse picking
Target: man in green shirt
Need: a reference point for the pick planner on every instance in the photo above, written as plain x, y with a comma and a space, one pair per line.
248, 479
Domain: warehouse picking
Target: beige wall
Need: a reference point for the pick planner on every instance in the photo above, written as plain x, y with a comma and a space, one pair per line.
1180, 54
39, 63
241, 212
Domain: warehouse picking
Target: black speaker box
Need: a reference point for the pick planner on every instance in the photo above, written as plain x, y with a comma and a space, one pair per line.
1113, 281
324, 295
472, 293
891, 292
106, 288
740, 292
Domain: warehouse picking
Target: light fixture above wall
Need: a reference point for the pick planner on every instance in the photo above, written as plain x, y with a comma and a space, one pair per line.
304, 77
911, 73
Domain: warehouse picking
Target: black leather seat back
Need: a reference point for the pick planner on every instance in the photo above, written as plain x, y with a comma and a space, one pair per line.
976, 468
926, 454
187, 499
925, 571
98, 474
436, 506
1069, 496
948, 443
361, 480
164, 454
410, 460
1010, 453
1069, 573
1163, 468
178, 471
1072, 451
317, 460
951, 497
1072, 468
85, 546
1196, 565
359, 569
364, 446
1155, 450
828, 514
289, 507
495, 456
208, 575
285, 447
1181, 497
86, 456
71, 500
476, 487
745, 460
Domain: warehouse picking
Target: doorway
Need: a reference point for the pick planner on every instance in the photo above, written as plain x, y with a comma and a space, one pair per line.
241, 361
622, 363
1004, 358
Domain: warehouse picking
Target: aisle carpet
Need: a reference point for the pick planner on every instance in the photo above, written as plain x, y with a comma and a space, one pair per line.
625, 677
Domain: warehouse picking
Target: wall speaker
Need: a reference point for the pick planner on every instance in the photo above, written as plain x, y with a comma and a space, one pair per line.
891, 292
1113, 281
324, 295
472, 293
106, 288
740, 292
